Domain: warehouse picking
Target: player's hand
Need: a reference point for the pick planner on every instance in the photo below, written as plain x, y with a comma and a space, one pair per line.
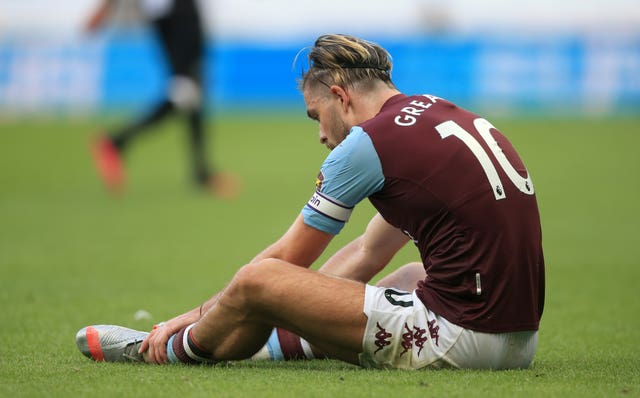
155, 345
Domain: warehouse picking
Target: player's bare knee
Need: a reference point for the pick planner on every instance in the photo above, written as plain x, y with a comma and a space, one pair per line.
253, 279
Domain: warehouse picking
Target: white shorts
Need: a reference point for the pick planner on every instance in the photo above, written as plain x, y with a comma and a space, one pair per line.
402, 333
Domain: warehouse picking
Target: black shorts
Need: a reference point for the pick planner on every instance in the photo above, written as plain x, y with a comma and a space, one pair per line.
182, 37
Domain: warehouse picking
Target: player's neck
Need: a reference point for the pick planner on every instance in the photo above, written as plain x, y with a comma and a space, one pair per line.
371, 102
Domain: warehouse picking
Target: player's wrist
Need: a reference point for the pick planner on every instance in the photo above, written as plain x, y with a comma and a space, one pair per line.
159, 325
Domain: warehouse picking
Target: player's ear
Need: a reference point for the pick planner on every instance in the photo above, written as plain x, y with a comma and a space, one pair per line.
342, 95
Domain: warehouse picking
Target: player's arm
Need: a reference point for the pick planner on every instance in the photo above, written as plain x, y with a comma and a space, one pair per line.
300, 245
324, 216
368, 254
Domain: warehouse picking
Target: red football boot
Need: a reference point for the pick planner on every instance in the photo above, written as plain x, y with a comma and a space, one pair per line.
225, 186
108, 164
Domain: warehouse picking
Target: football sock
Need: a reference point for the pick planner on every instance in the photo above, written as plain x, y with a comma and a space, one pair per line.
285, 346
182, 348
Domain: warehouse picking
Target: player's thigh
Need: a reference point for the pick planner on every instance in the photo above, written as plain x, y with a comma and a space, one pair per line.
316, 306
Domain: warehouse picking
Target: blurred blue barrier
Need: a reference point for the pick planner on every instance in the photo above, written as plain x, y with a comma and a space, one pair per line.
504, 73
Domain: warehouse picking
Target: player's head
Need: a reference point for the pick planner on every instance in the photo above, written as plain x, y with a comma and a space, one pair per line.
343, 69
348, 62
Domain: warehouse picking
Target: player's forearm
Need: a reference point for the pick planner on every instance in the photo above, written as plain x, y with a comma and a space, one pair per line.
351, 262
180, 321
189, 317
300, 245
368, 254
269, 252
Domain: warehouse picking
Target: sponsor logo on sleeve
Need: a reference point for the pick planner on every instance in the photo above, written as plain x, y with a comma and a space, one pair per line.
319, 181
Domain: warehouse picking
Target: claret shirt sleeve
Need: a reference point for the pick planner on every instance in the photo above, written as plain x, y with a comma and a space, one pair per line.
350, 173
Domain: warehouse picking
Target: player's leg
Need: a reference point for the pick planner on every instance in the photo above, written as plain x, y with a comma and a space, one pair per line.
222, 184
124, 135
200, 167
183, 43
158, 111
284, 345
107, 149
326, 311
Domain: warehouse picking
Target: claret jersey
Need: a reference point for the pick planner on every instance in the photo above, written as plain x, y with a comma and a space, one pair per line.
455, 185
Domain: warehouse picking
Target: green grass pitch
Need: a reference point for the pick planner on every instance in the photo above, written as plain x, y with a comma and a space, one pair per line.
70, 255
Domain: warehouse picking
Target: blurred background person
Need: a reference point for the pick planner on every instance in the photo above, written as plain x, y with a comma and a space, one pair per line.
178, 26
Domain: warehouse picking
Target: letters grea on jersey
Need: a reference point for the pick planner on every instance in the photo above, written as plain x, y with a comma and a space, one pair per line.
451, 128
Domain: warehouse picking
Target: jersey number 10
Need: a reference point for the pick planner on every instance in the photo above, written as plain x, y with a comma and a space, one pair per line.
451, 128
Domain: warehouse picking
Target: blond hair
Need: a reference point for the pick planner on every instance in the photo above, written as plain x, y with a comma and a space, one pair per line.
346, 61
